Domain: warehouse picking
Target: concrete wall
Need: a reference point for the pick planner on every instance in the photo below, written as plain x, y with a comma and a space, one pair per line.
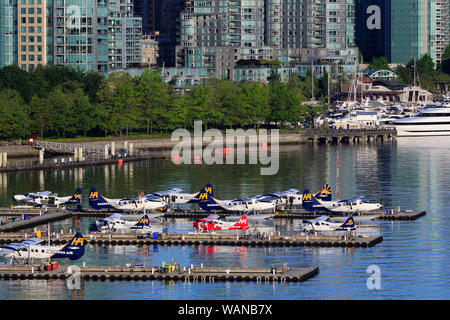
22, 151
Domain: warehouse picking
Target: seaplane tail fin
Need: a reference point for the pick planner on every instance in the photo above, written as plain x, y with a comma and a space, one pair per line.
95, 199
205, 199
309, 201
143, 222
76, 197
325, 193
349, 224
74, 249
242, 223
208, 189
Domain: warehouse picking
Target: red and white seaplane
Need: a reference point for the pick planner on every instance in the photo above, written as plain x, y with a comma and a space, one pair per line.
212, 222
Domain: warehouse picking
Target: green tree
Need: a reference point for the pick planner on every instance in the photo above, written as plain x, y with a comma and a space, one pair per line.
425, 65
446, 54
153, 96
86, 116
39, 110
446, 66
62, 114
109, 105
404, 74
13, 116
256, 102
198, 102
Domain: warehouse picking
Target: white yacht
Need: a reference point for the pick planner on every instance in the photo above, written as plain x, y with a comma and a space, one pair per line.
431, 121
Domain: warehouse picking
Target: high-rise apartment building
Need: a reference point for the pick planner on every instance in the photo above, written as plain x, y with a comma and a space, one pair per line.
305, 30
216, 34
146, 10
8, 32
94, 35
442, 28
91, 35
31, 33
413, 29
400, 30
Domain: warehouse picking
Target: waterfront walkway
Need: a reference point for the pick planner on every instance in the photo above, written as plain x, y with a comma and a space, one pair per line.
106, 152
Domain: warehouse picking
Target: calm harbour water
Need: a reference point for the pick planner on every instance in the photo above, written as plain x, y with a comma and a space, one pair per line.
413, 173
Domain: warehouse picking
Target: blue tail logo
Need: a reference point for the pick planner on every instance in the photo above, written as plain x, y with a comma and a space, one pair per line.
96, 201
206, 192
76, 198
310, 203
325, 193
143, 222
349, 224
206, 200
73, 250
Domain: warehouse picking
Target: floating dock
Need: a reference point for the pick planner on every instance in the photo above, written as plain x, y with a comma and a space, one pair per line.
208, 239
31, 211
35, 221
142, 273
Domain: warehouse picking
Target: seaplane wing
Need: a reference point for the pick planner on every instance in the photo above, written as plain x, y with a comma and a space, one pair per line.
39, 194
113, 217
361, 198
160, 194
257, 197
211, 217
23, 198
4, 250
277, 195
321, 218
251, 217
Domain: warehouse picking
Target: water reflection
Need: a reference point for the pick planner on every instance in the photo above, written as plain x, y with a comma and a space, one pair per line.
412, 174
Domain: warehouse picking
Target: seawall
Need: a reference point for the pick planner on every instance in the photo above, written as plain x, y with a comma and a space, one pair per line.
165, 144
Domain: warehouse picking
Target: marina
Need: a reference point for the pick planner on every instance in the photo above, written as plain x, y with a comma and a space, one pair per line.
337, 258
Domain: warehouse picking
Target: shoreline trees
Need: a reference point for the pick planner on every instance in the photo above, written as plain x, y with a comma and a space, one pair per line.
58, 101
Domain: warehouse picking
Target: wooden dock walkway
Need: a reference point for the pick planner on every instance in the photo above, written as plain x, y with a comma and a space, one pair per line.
12, 167
35, 221
144, 273
208, 239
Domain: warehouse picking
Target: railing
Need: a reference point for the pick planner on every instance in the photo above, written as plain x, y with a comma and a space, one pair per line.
88, 149
341, 130
69, 161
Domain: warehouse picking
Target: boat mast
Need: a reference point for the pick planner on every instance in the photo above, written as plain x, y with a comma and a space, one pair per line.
312, 80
